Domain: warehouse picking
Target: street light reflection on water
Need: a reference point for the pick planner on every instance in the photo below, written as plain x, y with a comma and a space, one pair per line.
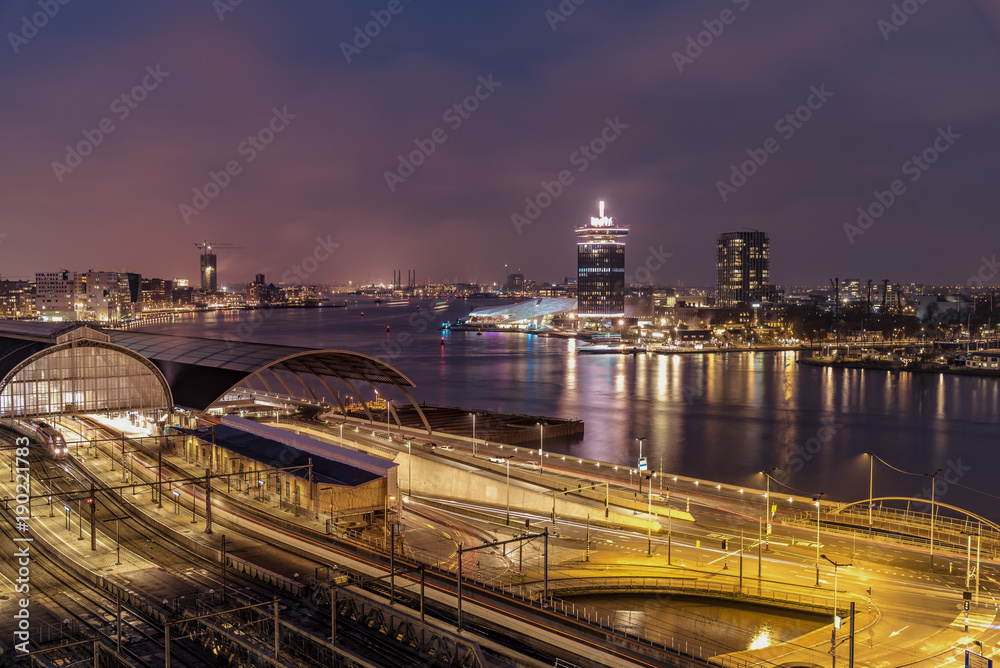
715, 625
763, 638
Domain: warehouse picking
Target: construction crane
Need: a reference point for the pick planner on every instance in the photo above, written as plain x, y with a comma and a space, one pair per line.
209, 268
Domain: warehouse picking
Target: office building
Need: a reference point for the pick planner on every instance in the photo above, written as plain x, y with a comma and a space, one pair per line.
601, 268
742, 267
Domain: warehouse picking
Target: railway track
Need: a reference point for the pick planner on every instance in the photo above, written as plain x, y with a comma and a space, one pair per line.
312, 619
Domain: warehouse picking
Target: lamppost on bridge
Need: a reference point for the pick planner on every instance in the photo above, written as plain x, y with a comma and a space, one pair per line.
933, 477
409, 470
649, 511
508, 491
541, 446
836, 615
817, 500
473, 435
871, 478
640, 439
767, 508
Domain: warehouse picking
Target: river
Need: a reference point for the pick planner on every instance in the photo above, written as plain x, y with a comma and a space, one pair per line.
723, 417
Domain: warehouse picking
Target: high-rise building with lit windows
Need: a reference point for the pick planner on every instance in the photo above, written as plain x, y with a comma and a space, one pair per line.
209, 272
600, 253
742, 267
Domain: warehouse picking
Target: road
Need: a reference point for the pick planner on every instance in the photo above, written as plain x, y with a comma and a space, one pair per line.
917, 617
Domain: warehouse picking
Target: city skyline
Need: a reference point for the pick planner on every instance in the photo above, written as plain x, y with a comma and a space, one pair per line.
265, 124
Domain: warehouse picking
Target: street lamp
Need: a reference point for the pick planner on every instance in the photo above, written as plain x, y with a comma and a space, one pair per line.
640, 439
817, 500
409, 469
508, 493
767, 508
473, 435
541, 446
649, 511
836, 616
670, 518
871, 477
933, 477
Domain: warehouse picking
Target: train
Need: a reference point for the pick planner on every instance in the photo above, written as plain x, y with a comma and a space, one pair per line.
45, 434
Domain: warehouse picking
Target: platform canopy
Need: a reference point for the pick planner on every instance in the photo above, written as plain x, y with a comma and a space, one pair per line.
57, 367
202, 372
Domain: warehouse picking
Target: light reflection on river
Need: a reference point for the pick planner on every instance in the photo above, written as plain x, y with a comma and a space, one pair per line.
723, 417
715, 627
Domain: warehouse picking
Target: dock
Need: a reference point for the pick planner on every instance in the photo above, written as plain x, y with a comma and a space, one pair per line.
490, 426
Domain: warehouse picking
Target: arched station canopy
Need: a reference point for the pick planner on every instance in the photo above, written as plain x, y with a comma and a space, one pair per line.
201, 372
53, 367
56, 368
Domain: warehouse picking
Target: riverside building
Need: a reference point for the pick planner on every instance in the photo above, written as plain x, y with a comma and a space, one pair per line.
601, 268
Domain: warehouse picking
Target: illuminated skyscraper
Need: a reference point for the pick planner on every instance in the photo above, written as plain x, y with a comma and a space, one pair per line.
742, 267
600, 254
209, 271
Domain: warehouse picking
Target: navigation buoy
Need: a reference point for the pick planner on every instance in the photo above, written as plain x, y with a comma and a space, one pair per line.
442, 339
362, 315
387, 329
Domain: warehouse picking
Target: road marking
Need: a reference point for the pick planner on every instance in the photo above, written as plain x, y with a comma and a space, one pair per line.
899, 631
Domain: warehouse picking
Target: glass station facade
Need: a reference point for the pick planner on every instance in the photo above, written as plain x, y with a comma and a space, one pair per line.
81, 377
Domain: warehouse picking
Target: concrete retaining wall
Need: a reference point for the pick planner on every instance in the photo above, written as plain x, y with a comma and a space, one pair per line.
444, 479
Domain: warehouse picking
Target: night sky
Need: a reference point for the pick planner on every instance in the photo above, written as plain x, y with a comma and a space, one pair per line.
670, 117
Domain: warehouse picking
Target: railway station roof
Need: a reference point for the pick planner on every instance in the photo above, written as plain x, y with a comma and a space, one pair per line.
262, 449
201, 371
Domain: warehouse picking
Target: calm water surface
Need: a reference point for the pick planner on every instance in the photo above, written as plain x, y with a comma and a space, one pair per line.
723, 417
734, 626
